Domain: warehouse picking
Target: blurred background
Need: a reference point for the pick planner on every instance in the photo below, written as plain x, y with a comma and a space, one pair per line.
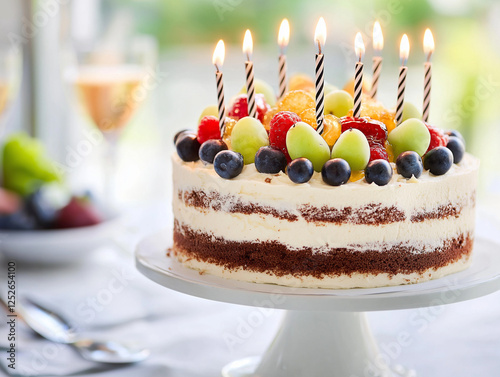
175, 41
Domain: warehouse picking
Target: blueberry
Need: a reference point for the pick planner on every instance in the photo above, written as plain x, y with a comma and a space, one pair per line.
378, 172
181, 133
409, 164
17, 221
456, 134
457, 147
210, 148
270, 161
300, 170
438, 160
187, 147
42, 211
228, 164
336, 172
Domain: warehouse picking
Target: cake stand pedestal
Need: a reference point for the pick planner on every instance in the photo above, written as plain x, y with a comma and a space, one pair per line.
324, 332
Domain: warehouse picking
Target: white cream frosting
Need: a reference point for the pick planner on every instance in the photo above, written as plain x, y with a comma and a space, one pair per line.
426, 193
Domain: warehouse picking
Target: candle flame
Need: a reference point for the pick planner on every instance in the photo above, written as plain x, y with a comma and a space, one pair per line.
320, 34
378, 37
284, 33
248, 44
359, 46
428, 43
219, 52
404, 49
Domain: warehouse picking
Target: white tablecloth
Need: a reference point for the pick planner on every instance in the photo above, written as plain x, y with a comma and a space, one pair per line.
107, 298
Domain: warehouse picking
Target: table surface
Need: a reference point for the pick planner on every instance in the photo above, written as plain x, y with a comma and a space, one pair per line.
107, 297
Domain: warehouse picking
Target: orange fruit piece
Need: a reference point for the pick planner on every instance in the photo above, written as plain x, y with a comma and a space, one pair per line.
300, 81
296, 101
230, 122
332, 126
356, 175
349, 87
268, 117
375, 110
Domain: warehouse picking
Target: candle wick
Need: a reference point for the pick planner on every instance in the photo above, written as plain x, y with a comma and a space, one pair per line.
429, 56
319, 46
248, 57
216, 67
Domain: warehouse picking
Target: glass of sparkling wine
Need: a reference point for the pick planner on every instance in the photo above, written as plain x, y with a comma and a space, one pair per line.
110, 86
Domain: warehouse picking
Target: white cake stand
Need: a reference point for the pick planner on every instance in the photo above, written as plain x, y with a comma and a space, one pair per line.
324, 332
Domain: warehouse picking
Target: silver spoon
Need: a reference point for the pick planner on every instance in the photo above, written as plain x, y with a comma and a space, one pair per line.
53, 327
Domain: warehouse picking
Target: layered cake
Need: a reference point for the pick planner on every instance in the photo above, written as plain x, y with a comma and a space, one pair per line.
363, 204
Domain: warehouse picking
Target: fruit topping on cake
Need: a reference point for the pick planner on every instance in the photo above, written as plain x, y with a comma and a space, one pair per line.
248, 136
300, 170
279, 126
239, 107
350, 149
378, 172
336, 172
353, 147
208, 129
209, 150
409, 164
269, 160
303, 141
228, 164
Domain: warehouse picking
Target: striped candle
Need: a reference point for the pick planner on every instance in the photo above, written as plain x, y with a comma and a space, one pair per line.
428, 50
320, 39
218, 60
404, 51
378, 45
359, 47
283, 38
247, 49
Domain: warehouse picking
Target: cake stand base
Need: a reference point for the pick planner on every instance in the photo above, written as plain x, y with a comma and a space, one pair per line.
324, 331
334, 344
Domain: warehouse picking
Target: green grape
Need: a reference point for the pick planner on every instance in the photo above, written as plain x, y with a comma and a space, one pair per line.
411, 135
260, 86
303, 141
209, 110
353, 147
248, 136
338, 103
410, 111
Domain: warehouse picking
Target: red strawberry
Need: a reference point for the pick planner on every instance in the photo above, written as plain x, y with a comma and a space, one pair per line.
438, 137
377, 152
371, 128
279, 126
239, 107
208, 129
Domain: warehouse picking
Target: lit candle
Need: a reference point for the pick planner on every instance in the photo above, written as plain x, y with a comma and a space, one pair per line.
320, 39
404, 52
247, 49
378, 45
428, 50
218, 60
283, 37
359, 47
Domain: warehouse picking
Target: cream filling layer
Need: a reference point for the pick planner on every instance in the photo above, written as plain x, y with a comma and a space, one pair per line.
355, 280
426, 235
410, 196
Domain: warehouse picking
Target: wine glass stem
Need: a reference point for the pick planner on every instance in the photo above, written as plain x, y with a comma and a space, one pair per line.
110, 167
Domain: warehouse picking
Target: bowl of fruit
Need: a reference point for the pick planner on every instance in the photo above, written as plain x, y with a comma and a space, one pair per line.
41, 220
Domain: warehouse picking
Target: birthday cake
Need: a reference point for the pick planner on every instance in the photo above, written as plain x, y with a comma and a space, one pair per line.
364, 204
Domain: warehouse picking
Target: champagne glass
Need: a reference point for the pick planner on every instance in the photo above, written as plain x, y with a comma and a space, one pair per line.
111, 83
